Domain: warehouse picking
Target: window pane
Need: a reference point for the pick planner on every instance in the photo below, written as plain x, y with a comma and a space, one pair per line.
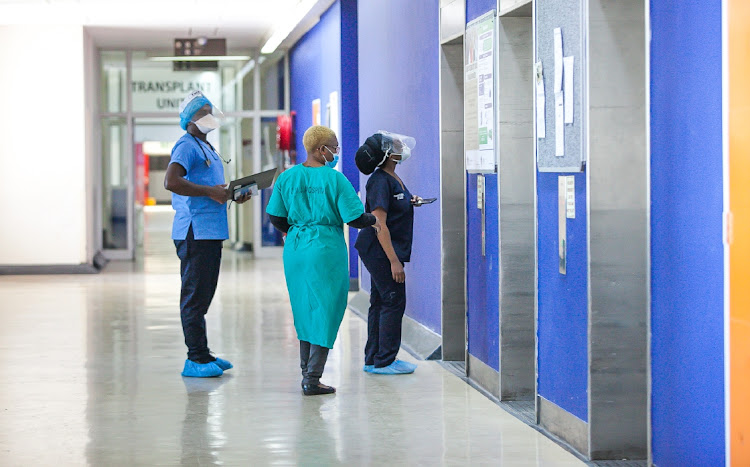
237, 85
113, 77
272, 81
115, 166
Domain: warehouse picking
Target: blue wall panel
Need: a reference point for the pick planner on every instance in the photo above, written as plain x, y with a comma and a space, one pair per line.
563, 301
399, 70
349, 138
314, 68
687, 309
476, 8
483, 279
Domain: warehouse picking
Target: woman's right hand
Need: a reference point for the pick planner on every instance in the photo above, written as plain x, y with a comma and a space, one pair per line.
219, 193
377, 225
397, 271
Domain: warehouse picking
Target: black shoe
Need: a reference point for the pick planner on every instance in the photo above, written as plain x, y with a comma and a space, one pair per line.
317, 389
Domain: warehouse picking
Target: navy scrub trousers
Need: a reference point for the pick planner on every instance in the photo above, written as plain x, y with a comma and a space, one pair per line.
199, 267
387, 306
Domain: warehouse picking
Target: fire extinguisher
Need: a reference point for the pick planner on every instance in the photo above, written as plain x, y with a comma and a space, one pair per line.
285, 139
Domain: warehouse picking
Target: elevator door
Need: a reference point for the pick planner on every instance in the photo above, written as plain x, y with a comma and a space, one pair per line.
453, 198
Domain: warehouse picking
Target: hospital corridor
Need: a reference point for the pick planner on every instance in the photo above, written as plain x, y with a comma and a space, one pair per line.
375, 233
93, 361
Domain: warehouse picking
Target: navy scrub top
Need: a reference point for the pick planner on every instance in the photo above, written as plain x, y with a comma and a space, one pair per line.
209, 218
384, 191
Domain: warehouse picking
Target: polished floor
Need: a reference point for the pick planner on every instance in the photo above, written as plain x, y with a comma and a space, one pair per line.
91, 376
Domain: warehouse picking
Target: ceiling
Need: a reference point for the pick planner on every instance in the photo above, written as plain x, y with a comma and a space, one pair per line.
154, 24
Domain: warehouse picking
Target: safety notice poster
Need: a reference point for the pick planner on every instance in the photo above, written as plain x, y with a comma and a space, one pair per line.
479, 95
485, 83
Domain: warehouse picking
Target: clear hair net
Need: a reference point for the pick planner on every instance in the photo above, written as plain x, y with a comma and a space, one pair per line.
394, 143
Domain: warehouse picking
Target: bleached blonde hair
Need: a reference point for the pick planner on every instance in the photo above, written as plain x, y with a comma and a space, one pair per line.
315, 137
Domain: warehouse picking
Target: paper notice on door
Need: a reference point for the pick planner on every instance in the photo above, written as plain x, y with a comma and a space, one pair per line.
558, 60
540, 101
473, 162
569, 63
559, 125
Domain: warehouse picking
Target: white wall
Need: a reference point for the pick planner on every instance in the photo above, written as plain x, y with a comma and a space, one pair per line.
43, 155
93, 143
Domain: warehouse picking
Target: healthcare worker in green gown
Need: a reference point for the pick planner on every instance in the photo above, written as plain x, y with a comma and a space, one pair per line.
311, 202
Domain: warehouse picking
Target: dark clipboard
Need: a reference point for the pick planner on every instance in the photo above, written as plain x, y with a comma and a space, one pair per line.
262, 179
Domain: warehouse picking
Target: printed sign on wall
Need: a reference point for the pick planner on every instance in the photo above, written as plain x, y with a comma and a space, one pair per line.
479, 96
162, 90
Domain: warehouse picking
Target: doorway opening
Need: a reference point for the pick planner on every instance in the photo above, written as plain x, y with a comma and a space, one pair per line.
453, 196
139, 124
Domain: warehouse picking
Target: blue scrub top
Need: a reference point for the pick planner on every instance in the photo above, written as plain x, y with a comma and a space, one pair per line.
384, 191
209, 218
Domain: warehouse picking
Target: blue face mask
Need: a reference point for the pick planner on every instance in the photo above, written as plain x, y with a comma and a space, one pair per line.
332, 164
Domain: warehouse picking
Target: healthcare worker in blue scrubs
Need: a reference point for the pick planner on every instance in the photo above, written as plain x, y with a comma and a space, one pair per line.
311, 202
195, 177
384, 252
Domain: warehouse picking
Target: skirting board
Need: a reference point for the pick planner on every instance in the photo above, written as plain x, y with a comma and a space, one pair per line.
484, 376
415, 337
48, 269
564, 425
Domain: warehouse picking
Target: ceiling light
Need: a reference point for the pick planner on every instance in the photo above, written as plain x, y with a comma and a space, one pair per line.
203, 58
284, 28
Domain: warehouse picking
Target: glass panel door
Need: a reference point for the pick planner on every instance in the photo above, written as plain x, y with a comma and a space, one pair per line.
116, 168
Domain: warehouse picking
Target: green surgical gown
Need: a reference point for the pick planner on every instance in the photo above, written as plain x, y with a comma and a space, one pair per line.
316, 201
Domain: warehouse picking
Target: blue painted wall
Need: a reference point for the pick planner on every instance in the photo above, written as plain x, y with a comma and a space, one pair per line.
315, 71
562, 327
483, 274
476, 8
398, 91
349, 98
322, 62
687, 308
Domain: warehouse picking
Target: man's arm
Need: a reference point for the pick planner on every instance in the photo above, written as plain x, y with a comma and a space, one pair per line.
281, 223
175, 182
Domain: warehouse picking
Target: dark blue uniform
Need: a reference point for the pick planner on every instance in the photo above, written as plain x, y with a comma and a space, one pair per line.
387, 297
199, 229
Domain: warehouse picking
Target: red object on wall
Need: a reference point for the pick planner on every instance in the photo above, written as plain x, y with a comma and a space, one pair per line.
141, 174
283, 132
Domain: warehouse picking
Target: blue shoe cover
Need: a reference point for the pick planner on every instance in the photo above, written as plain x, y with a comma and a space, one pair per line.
368, 368
201, 370
223, 364
393, 369
405, 365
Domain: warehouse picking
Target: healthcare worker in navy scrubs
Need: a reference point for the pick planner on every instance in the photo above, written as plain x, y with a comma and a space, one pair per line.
195, 177
384, 253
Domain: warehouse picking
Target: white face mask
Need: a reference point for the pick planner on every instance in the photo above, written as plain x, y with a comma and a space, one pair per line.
207, 123
405, 154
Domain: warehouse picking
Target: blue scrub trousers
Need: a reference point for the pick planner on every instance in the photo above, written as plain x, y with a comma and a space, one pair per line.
199, 267
387, 306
